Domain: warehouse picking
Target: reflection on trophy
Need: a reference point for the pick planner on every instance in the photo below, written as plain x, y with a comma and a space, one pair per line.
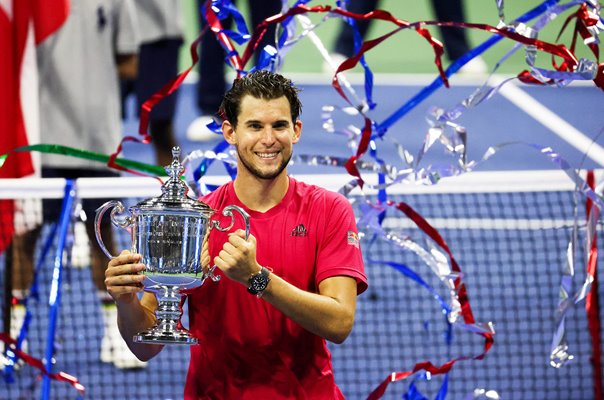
168, 232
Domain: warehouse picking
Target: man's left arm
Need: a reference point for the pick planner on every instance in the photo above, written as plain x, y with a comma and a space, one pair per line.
328, 313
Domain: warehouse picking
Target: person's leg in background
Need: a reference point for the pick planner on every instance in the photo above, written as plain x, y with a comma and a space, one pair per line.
344, 45
455, 40
158, 65
212, 82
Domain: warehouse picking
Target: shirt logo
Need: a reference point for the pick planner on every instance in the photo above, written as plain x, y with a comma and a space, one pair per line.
299, 230
353, 239
101, 18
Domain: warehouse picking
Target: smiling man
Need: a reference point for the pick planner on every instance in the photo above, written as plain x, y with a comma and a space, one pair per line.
289, 287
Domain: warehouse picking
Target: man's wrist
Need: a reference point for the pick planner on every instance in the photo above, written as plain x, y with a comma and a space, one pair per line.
259, 281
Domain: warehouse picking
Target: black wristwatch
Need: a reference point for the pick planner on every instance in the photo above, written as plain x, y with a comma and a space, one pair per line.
258, 282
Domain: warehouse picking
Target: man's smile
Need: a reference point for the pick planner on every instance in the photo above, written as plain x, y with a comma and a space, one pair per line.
267, 155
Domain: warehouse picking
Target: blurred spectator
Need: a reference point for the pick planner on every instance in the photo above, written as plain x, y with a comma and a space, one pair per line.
161, 35
79, 69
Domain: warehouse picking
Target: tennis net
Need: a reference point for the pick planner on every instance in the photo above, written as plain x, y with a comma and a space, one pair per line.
509, 233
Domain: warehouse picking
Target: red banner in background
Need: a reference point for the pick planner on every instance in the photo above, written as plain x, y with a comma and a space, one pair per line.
23, 24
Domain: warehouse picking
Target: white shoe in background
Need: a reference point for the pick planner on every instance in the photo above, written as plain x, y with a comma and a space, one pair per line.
113, 348
17, 316
198, 130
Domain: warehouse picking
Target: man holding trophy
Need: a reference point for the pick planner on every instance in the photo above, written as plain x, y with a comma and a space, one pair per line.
285, 290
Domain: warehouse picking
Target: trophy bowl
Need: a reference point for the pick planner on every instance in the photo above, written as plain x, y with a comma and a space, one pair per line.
168, 232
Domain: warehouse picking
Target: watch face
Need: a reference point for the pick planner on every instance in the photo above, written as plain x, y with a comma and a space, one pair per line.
258, 282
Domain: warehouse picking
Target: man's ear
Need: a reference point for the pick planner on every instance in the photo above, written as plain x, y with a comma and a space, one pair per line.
228, 132
297, 131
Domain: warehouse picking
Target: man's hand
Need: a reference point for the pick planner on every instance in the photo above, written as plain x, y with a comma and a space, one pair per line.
237, 259
122, 277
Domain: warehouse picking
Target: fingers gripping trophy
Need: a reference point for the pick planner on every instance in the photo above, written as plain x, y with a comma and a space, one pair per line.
168, 232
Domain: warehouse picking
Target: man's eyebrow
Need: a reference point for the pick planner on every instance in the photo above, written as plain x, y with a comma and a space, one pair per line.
255, 121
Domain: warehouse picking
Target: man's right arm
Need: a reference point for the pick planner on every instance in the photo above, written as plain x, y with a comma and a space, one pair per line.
123, 283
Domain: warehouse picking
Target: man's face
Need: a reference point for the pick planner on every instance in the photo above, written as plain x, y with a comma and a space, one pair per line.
264, 136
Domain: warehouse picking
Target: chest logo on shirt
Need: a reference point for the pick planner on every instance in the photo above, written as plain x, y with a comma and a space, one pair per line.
353, 239
101, 18
299, 230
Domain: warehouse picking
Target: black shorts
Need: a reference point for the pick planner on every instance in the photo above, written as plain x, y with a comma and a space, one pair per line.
52, 207
157, 65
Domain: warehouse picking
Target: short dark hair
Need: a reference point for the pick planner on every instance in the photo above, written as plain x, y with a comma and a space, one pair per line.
261, 85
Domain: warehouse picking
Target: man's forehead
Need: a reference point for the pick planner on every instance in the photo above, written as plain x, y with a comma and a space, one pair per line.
278, 107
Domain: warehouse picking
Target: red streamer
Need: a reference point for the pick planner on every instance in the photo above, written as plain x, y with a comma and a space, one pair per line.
592, 306
148, 105
37, 363
462, 296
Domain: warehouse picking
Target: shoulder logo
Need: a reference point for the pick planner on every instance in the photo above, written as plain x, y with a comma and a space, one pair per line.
353, 239
299, 230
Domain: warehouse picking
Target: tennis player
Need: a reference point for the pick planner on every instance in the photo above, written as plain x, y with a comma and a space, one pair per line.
290, 287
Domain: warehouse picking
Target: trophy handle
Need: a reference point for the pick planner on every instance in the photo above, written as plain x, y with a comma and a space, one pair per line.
118, 208
228, 212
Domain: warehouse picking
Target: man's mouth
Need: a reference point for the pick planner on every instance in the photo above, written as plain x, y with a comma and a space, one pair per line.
267, 155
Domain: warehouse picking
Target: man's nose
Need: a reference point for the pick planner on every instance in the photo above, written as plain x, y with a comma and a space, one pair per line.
268, 135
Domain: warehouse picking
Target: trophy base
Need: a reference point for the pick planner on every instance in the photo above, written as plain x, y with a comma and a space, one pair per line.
165, 337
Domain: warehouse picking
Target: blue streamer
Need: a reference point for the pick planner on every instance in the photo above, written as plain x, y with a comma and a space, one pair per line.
203, 167
225, 9
409, 273
442, 393
358, 42
54, 299
382, 195
34, 294
454, 67
413, 392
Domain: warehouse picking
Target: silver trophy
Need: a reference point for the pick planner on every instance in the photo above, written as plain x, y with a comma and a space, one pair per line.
168, 232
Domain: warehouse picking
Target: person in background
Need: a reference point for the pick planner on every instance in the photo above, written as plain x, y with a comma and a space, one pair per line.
454, 39
285, 290
161, 36
79, 70
212, 83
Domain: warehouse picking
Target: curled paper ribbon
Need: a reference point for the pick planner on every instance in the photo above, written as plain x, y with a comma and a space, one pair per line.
559, 353
34, 294
37, 363
592, 306
452, 276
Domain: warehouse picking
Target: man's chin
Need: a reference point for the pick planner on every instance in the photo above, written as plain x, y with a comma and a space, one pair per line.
269, 175
266, 174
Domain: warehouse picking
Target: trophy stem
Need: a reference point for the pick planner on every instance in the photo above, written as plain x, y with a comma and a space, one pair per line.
167, 329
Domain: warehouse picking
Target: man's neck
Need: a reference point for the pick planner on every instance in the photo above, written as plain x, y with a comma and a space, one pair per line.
261, 194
